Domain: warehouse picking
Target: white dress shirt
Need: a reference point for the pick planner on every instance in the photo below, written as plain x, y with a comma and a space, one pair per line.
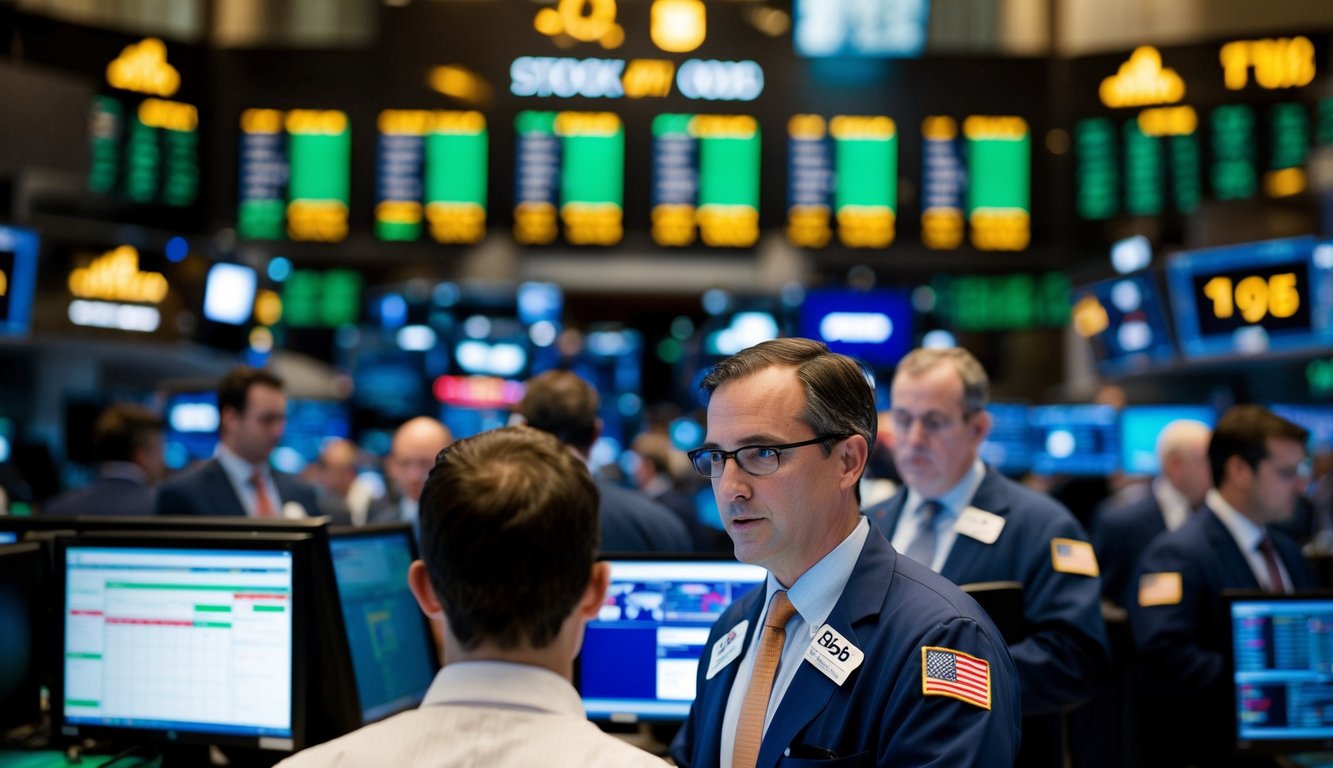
1175, 507
484, 713
1247, 536
813, 596
953, 502
239, 471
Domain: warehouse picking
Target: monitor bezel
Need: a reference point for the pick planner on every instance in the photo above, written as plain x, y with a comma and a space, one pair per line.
37, 672
1230, 597
373, 530
301, 547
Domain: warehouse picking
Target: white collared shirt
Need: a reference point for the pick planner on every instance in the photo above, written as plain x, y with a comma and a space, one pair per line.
239, 471
492, 713
813, 596
953, 502
1175, 507
1247, 536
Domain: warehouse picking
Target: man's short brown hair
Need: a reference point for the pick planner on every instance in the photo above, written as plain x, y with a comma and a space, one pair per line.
561, 403
1244, 431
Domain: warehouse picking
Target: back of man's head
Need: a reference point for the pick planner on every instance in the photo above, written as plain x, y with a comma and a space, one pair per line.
1245, 431
123, 429
561, 403
509, 532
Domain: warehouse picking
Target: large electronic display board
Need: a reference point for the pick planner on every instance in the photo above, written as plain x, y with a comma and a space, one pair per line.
569, 177
999, 196
1125, 321
295, 171
18, 279
432, 168
844, 171
144, 149
1253, 298
705, 180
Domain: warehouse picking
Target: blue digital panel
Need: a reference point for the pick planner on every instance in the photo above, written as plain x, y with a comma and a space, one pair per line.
1140, 426
872, 326
1074, 439
641, 654
1281, 652
309, 424
1249, 299
1008, 447
391, 656
1126, 323
192, 427
1318, 419
861, 28
18, 280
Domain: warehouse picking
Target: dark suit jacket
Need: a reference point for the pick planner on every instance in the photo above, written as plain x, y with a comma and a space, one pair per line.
107, 496
1120, 534
632, 522
385, 509
891, 608
205, 490
1182, 647
1065, 656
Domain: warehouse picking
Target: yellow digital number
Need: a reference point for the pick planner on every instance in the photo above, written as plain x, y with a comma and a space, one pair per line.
1000, 230
673, 225
456, 223
942, 228
322, 221
592, 224
1219, 290
261, 121
1283, 297
1254, 296
865, 227
534, 224
733, 226
809, 226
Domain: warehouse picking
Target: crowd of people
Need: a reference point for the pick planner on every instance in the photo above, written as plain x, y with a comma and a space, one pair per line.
863, 647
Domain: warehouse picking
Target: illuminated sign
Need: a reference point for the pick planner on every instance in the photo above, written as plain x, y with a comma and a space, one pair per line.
1002, 302
573, 163
295, 169
872, 326
329, 299
121, 317
143, 67
439, 157
478, 391
678, 26
1168, 121
850, 28
115, 276
702, 79
943, 179
1289, 141
584, 20
1233, 174
849, 165
1284, 62
1125, 322
1142, 81
999, 159
151, 157
706, 177
18, 279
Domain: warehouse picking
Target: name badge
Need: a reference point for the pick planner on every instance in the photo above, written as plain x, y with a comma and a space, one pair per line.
727, 649
979, 524
832, 654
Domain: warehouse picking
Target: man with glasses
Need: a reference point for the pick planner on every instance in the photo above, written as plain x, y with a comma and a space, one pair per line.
850, 652
970, 524
1178, 618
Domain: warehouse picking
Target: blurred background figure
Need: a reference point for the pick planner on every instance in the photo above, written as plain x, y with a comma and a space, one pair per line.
127, 443
411, 455
662, 473
1121, 533
334, 476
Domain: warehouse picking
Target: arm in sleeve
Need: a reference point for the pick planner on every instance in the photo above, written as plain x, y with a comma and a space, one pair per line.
1167, 636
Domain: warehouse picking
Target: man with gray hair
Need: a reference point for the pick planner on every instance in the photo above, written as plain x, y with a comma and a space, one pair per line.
971, 524
1120, 534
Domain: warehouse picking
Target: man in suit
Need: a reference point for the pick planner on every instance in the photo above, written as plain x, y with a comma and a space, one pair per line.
970, 524
411, 455
127, 441
1120, 534
509, 543
238, 480
1178, 618
565, 405
878, 660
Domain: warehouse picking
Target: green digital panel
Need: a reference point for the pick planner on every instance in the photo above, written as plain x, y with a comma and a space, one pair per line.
456, 167
867, 172
142, 162
999, 173
261, 219
321, 166
1290, 136
1144, 174
1002, 302
1324, 126
1185, 184
1098, 173
729, 170
1233, 172
108, 118
314, 299
593, 167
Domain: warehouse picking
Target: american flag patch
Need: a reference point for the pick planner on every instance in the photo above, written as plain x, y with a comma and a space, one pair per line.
946, 672
1073, 556
1160, 589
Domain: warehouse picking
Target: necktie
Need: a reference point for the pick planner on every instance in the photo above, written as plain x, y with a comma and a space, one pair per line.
263, 504
1275, 582
750, 727
922, 548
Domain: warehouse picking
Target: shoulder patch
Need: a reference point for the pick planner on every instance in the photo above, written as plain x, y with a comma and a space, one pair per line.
957, 675
1160, 589
1073, 556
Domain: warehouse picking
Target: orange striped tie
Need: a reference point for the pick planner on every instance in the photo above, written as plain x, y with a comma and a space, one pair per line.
750, 727
263, 505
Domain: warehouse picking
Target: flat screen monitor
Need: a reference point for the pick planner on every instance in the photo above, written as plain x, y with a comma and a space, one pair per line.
1141, 425
872, 326
1125, 321
1008, 447
18, 279
22, 661
1074, 439
191, 433
1253, 298
1281, 669
189, 638
393, 656
1318, 419
641, 653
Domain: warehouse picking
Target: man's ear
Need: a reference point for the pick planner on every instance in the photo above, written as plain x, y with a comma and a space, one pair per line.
595, 594
418, 580
853, 452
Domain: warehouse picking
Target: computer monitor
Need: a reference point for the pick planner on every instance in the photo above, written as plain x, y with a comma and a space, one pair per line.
1280, 664
1074, 439
190, 638
1141, 425
640, 655
22, 643
1317, 419
393, 656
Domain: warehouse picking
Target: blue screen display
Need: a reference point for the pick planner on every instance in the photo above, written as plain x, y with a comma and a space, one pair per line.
18, 279
1253, 298
1318, 419
872, 326
1140, 426
1074, 439
1008, 447
1281, 653
641, 654
1128, 330
392, 657
309, 424
192, 427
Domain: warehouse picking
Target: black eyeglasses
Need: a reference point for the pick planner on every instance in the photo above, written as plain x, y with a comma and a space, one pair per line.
753, 459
